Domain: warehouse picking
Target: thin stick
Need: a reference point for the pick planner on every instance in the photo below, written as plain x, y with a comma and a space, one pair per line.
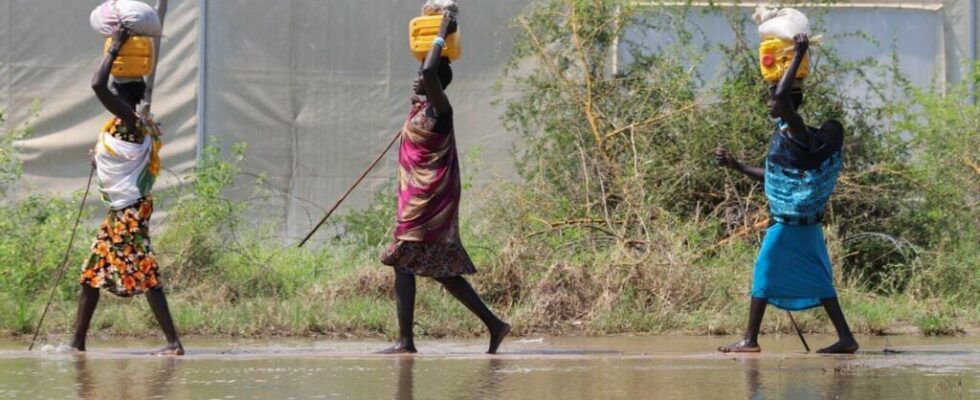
351, 190
798, 331
64, 262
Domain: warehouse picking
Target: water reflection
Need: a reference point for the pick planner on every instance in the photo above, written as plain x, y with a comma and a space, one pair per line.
766, 379
753, 378
406, 378
124, 379
491, 381
562, 370
483, 383
840, 385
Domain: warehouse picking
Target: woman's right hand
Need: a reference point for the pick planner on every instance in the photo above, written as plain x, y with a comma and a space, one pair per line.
725, 159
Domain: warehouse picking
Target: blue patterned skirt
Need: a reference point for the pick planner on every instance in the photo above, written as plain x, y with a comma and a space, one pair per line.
793, 270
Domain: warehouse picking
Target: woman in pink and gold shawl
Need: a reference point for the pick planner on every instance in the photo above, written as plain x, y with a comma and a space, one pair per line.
429, 186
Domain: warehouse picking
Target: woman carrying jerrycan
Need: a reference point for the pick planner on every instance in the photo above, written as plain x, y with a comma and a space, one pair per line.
427, 241
793, 270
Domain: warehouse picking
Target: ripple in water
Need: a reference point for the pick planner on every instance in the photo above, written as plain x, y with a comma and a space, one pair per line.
59, 349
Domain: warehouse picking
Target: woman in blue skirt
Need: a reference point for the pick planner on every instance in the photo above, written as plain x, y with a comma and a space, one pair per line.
793, 271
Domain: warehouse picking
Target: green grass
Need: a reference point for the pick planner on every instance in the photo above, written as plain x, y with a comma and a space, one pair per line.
355, 299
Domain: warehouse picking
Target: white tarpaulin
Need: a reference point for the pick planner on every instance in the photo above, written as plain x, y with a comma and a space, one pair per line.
48, 53
316, 88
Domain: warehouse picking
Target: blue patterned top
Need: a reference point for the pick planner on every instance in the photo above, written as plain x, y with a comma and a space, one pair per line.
801, 178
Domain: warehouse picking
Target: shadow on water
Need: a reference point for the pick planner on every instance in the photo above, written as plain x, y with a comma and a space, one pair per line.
564, 352
921, 353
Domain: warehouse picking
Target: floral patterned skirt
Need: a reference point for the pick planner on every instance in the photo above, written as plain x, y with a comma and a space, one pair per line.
122, 260
444, 258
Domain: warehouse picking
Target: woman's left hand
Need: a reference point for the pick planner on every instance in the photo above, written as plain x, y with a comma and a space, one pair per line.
119, 37
449, 24
802, 43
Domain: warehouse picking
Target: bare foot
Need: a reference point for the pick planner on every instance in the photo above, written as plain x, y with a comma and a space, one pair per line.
844, 346
742, 346
173, 349
497, 337
402, 347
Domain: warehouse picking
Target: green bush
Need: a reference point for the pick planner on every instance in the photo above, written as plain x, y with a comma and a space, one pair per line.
618, 182
202, 219
36, 230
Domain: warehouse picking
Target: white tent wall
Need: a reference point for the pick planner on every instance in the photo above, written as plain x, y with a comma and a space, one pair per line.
56, 71
316, 88
960, 34
974, 27
933, 38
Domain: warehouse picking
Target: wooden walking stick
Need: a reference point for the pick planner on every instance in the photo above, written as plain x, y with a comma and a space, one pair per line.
798, 331
349, 191
64, 261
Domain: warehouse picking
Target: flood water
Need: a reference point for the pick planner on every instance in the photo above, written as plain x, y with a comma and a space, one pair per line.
668, 367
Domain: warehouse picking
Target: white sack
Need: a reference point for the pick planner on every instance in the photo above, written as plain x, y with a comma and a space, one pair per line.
137, 16
781, 24
436, 7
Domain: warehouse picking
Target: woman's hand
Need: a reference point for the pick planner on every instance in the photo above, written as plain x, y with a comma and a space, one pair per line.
100, 80
119, 38
801, 43
449, 24
725, 159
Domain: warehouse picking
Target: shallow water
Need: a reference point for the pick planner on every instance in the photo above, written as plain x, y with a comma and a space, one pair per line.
669, 367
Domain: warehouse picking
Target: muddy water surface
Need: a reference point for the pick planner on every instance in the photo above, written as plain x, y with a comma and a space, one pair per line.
671, 367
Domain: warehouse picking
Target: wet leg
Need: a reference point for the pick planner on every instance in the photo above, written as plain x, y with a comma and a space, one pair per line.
750, 341
846, 344
462, 291
158, 303
405, 304
87, 302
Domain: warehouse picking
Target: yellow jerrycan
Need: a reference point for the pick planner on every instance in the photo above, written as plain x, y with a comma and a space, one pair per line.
423, 30
136, 57
775, 57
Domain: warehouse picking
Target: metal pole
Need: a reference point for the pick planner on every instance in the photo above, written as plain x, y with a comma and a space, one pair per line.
202, 75
973, 30
971, 66
615, 44
151, 80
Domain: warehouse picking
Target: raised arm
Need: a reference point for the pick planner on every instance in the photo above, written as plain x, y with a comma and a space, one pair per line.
430, 68
725, 159
783, 101
100, 81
